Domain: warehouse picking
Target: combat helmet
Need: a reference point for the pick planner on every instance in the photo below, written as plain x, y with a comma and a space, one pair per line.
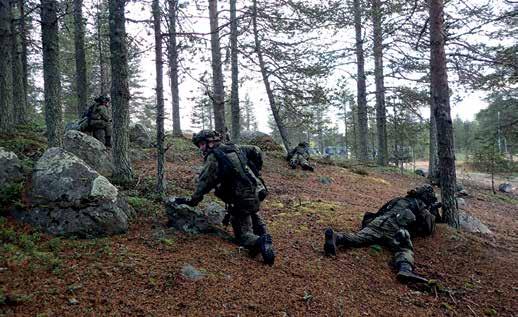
102, 99
425, 193
205, 135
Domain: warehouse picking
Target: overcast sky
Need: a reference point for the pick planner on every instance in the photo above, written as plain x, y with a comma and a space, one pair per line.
471, 103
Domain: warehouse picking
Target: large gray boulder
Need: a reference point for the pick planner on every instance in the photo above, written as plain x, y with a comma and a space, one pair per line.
11, 169
90, 150
505, 188
260, 139
139, 135
193, 220
69, 198
471, 223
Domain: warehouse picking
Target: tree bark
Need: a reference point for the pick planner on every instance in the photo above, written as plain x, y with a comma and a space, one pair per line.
264, 72
234, 102
361, 85
19, 95
173, 68
160, 182
6, 80
433, 165
103, 72
119, 92
218, 97
381, 119
24, 56
441, 101
51, 74
79, 45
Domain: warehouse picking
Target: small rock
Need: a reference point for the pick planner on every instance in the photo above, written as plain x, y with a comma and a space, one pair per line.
325, 180
190, 272
73, 301
193, 220
462, 193
10, 167
420, 172
461, 203
505, 188
470, 223
139, 135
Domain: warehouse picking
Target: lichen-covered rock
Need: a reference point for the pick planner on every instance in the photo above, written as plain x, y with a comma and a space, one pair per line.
260, 139
139, 135
11, 169
470, 223
90, 150
505, 188
193, 220
69, 198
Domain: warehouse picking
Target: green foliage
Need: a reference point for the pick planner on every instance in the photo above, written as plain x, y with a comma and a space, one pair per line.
11, 194
141, 205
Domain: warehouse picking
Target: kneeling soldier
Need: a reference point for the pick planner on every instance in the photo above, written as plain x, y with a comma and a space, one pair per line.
233, 171
392, 226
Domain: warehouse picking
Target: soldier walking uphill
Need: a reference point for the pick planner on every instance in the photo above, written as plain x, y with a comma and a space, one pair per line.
233, 171
300, 156
98, 120
393, 225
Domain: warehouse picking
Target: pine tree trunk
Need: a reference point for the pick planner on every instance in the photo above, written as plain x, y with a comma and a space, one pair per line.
173, 67
119, 92
79, 45
236, 126
361, 86
51, 75
217, 72
264, 72
160, 182
6, 80
381, 119
433, 165
103, 71
19, 95
24, 56
441, 101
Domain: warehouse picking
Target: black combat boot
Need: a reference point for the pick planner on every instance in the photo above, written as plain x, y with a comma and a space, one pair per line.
308, 167
330, 242
406, 274
266, 247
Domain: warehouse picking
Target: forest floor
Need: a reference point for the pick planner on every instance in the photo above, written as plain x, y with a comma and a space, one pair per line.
139, 273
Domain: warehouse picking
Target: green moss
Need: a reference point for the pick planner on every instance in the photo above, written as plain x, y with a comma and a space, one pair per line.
10, 194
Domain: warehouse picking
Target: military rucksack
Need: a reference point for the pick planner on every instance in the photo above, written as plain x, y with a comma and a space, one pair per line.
251, 159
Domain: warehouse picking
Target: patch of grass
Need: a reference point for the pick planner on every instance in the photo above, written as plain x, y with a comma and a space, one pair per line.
143, 206
27, 146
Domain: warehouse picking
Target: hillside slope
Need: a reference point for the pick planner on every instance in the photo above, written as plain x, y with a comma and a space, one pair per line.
140, 273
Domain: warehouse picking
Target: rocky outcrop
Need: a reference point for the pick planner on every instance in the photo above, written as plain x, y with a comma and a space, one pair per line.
69, 198
90, 150
11, 169
193, 220
260, 139
505, 188
139, 135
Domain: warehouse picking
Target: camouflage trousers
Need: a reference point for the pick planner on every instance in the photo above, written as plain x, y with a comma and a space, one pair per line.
382, 230
247, 225
101, 130
298, 159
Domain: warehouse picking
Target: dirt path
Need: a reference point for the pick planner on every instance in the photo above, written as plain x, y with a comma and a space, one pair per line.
138, 274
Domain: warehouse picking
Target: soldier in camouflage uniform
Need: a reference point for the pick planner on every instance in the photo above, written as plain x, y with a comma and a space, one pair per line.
98, 120
393, 226
300, 156
233, 171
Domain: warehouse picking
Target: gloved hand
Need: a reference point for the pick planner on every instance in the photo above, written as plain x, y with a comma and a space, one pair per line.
185, 201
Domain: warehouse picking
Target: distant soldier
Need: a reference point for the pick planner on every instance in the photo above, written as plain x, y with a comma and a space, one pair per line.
98, 120
393, 226
233, 171
300, 156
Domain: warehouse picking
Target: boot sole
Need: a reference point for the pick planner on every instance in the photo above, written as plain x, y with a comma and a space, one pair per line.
329, 245
267, 249
410, 278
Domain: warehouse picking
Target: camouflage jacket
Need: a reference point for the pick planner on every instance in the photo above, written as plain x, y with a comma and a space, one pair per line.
299, 150
410, 213
234, 182
100, 112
